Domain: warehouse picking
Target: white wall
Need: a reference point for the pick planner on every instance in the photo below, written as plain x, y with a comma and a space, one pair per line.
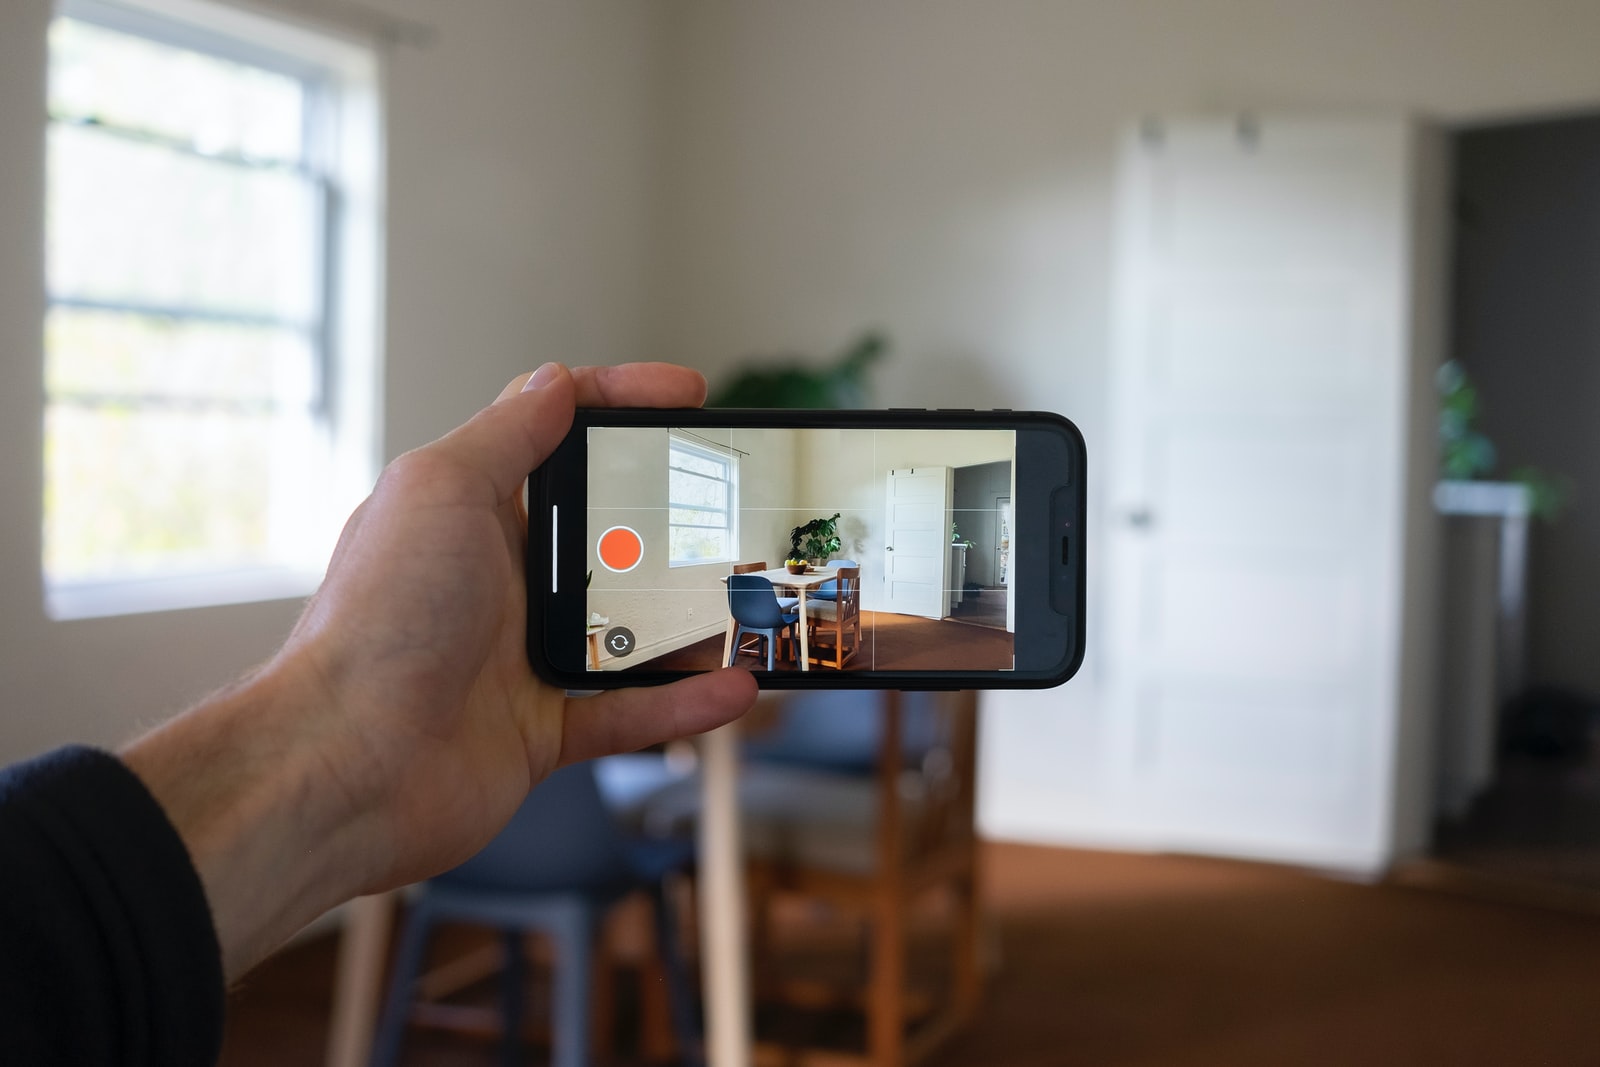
943, 169
595, 179
521, 148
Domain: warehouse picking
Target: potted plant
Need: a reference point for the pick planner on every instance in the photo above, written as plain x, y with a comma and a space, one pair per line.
797, 382
815, 540
1466, 455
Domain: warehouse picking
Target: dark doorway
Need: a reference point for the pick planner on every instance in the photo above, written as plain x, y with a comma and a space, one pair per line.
1526, 330
981, 507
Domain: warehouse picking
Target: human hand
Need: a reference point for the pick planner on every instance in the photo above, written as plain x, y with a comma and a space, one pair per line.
418, 634
401, 721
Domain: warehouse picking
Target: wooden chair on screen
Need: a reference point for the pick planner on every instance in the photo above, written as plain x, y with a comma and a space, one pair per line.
835, 625
876, 847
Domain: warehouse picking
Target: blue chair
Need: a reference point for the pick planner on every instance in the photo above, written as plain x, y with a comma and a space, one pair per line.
830, 590
787, 603
756, 611
560, 863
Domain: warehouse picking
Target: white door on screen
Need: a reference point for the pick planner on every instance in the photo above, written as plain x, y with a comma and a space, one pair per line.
916, 552
1270, 462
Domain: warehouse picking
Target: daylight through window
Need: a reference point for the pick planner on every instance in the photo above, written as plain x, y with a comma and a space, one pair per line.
208, 341
703, 503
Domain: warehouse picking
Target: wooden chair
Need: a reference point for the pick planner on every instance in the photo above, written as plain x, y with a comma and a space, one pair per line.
913, 836
836, 624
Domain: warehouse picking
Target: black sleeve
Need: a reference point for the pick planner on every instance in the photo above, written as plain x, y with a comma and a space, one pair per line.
107, 952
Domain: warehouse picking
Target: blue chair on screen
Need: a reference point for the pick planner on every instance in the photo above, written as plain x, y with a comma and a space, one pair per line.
830, 590
558, 866
755, 609
787, 603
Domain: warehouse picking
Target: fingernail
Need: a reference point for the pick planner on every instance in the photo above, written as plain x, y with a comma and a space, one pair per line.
542, 377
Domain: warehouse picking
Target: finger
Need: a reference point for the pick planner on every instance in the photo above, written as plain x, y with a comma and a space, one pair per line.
626, 720
639, 385
513, 435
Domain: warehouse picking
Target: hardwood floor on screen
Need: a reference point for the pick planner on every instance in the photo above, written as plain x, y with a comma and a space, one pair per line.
888, 642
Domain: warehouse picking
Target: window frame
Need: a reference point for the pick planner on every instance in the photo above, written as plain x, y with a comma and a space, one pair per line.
706, 450
341, 159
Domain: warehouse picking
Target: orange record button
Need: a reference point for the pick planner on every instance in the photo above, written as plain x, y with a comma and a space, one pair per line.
620, 549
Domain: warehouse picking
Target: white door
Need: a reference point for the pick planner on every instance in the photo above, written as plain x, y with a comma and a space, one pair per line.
916, 546
1258, 489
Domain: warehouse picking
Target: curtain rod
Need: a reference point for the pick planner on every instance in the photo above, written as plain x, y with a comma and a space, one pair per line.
714, 444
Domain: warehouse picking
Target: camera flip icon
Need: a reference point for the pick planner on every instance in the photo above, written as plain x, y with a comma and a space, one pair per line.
619, 641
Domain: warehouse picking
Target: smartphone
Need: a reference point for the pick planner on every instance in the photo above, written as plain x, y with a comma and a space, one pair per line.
820, 549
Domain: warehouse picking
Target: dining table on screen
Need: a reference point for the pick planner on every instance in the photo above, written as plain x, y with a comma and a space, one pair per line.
802, 584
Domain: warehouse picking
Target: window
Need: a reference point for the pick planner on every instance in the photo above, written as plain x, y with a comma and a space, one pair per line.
702, 503
210, 356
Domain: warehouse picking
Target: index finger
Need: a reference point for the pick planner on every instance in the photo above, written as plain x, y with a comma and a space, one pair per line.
639, 385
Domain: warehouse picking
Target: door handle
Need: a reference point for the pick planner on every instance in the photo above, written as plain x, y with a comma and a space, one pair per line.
1140, 518
888, 548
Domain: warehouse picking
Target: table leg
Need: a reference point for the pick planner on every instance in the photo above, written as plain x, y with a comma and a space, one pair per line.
805, 643
727, 643
358, 986
594, 652
725, 976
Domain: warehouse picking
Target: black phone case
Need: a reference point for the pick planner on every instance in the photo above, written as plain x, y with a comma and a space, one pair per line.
1063, 557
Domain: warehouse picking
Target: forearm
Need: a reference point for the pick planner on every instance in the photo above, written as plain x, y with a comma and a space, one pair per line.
249, 781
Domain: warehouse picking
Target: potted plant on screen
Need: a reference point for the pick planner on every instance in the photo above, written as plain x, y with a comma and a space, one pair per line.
816, 540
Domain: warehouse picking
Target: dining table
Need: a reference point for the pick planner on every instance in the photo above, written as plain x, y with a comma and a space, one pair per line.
781, 577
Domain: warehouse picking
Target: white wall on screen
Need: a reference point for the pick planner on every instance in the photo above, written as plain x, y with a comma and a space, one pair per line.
786, 478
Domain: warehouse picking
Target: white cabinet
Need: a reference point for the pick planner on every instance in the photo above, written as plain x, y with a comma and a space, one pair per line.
1269, 541
1482, 623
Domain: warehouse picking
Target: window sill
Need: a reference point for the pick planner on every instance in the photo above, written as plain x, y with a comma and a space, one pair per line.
175, 591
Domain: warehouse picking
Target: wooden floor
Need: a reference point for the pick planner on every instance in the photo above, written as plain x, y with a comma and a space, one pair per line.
1136, 961
889, 642
985, 607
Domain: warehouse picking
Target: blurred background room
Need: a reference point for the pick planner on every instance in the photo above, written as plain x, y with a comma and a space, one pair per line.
1316, 280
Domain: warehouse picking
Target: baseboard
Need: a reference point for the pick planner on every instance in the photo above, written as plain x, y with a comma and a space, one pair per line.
645, 653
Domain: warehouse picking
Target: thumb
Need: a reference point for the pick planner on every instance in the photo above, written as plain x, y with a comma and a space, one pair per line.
517, 432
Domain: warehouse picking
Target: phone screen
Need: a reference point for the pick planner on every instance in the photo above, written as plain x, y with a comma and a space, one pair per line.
811, 554
874, 549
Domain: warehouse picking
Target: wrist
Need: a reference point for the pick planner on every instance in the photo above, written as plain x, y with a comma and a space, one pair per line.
251, 780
